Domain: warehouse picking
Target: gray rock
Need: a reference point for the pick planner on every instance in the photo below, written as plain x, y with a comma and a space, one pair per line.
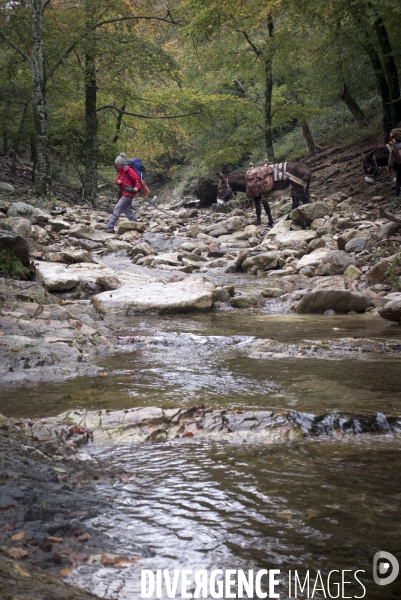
18, 225
108, 282
27, 211
272, 292
391, 311
304, 215
124, 226
191, 294
162, 242
335, 263
143, 248
16, 244
7, 187
386, 267
358, 244
118, 246
244, 301
264, 261
295, 237
339, 300
87, 233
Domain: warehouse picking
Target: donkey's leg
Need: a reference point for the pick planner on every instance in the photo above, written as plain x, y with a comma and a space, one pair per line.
266, 205
258, 210
295, 197
306, 194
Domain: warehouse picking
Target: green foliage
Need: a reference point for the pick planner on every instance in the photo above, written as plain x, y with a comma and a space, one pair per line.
12, 266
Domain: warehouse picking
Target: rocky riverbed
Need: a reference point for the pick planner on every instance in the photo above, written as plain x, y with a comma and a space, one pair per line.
75, 312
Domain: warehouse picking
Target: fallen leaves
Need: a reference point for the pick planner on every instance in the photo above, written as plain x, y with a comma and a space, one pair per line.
84, 537
102, 374
16, 553
18, 536
65, 572
8, 526
55, 540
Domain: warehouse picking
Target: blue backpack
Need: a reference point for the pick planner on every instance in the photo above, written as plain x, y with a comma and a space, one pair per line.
136, 164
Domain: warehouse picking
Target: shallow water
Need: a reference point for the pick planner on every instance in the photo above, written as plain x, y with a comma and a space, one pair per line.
311, 504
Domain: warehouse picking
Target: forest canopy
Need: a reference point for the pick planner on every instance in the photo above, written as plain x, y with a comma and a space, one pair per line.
200, 82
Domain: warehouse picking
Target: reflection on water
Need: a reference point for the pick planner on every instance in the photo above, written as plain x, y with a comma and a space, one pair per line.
205, 505
217, 375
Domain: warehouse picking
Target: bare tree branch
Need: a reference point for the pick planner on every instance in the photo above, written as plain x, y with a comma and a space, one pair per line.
10, 43
45, 5
132, 114
252, 45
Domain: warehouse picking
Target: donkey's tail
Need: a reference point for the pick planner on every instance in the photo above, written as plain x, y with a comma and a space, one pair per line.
306, 194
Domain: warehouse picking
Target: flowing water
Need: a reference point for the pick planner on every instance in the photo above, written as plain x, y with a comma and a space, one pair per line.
317, 504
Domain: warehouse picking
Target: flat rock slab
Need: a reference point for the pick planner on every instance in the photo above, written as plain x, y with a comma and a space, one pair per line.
57, 277
164, 243
295, 237
188, 295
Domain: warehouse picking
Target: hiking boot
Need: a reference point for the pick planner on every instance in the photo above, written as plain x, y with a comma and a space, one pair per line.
107, 229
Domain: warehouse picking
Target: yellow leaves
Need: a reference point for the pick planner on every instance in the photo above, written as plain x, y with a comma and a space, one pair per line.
18, 536
16, 553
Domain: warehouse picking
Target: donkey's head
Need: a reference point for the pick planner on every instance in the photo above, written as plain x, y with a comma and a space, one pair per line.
224, 189
370, 167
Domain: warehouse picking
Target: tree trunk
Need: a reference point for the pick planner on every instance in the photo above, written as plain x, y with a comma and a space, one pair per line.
43, 180
382, 84
310, 144
18, 139
91, 147
390, 70
351, 103
269, 53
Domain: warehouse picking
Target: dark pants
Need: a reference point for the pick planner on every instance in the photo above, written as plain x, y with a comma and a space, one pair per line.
122, 206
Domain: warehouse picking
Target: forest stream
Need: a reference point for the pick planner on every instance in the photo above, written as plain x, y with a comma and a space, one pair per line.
325, 502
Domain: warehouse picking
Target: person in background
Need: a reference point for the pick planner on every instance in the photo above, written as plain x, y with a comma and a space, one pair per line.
129, 184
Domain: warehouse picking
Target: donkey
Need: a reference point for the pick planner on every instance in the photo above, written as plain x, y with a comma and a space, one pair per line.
381, 158
293, 176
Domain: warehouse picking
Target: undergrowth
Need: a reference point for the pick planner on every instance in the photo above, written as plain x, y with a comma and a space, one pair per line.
12, 266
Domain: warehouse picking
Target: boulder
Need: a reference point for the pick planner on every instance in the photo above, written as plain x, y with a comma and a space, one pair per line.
233, 237
304, 215
358, 244
386, 267
27, 211
264, 261
244, 301
391, 311
272, 292
15, 244
352, 272
56, 277
190, 294
281, 226
59, 225
339, 300
295, 237
18, 225
4, 205
313, 259
335, 263
6, 187
131, 236
315, 244
142, 248
124, 226
40, 235
117, 246
108, 282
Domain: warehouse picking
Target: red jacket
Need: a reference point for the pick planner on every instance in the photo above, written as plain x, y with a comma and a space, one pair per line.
128, 178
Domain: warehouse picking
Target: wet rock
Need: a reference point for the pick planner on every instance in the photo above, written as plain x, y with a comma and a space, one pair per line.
143, 248
27, 211
281, 226
272, 292
244, 301
131, 236
339, 300
16, 244
335, 263
304, 215
391, 311
222, 295
24, 291
188, 295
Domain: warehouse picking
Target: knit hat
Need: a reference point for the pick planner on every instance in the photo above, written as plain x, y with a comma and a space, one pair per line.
121, 159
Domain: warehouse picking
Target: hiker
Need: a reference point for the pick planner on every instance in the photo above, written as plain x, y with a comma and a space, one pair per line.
395, 157
129, 183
